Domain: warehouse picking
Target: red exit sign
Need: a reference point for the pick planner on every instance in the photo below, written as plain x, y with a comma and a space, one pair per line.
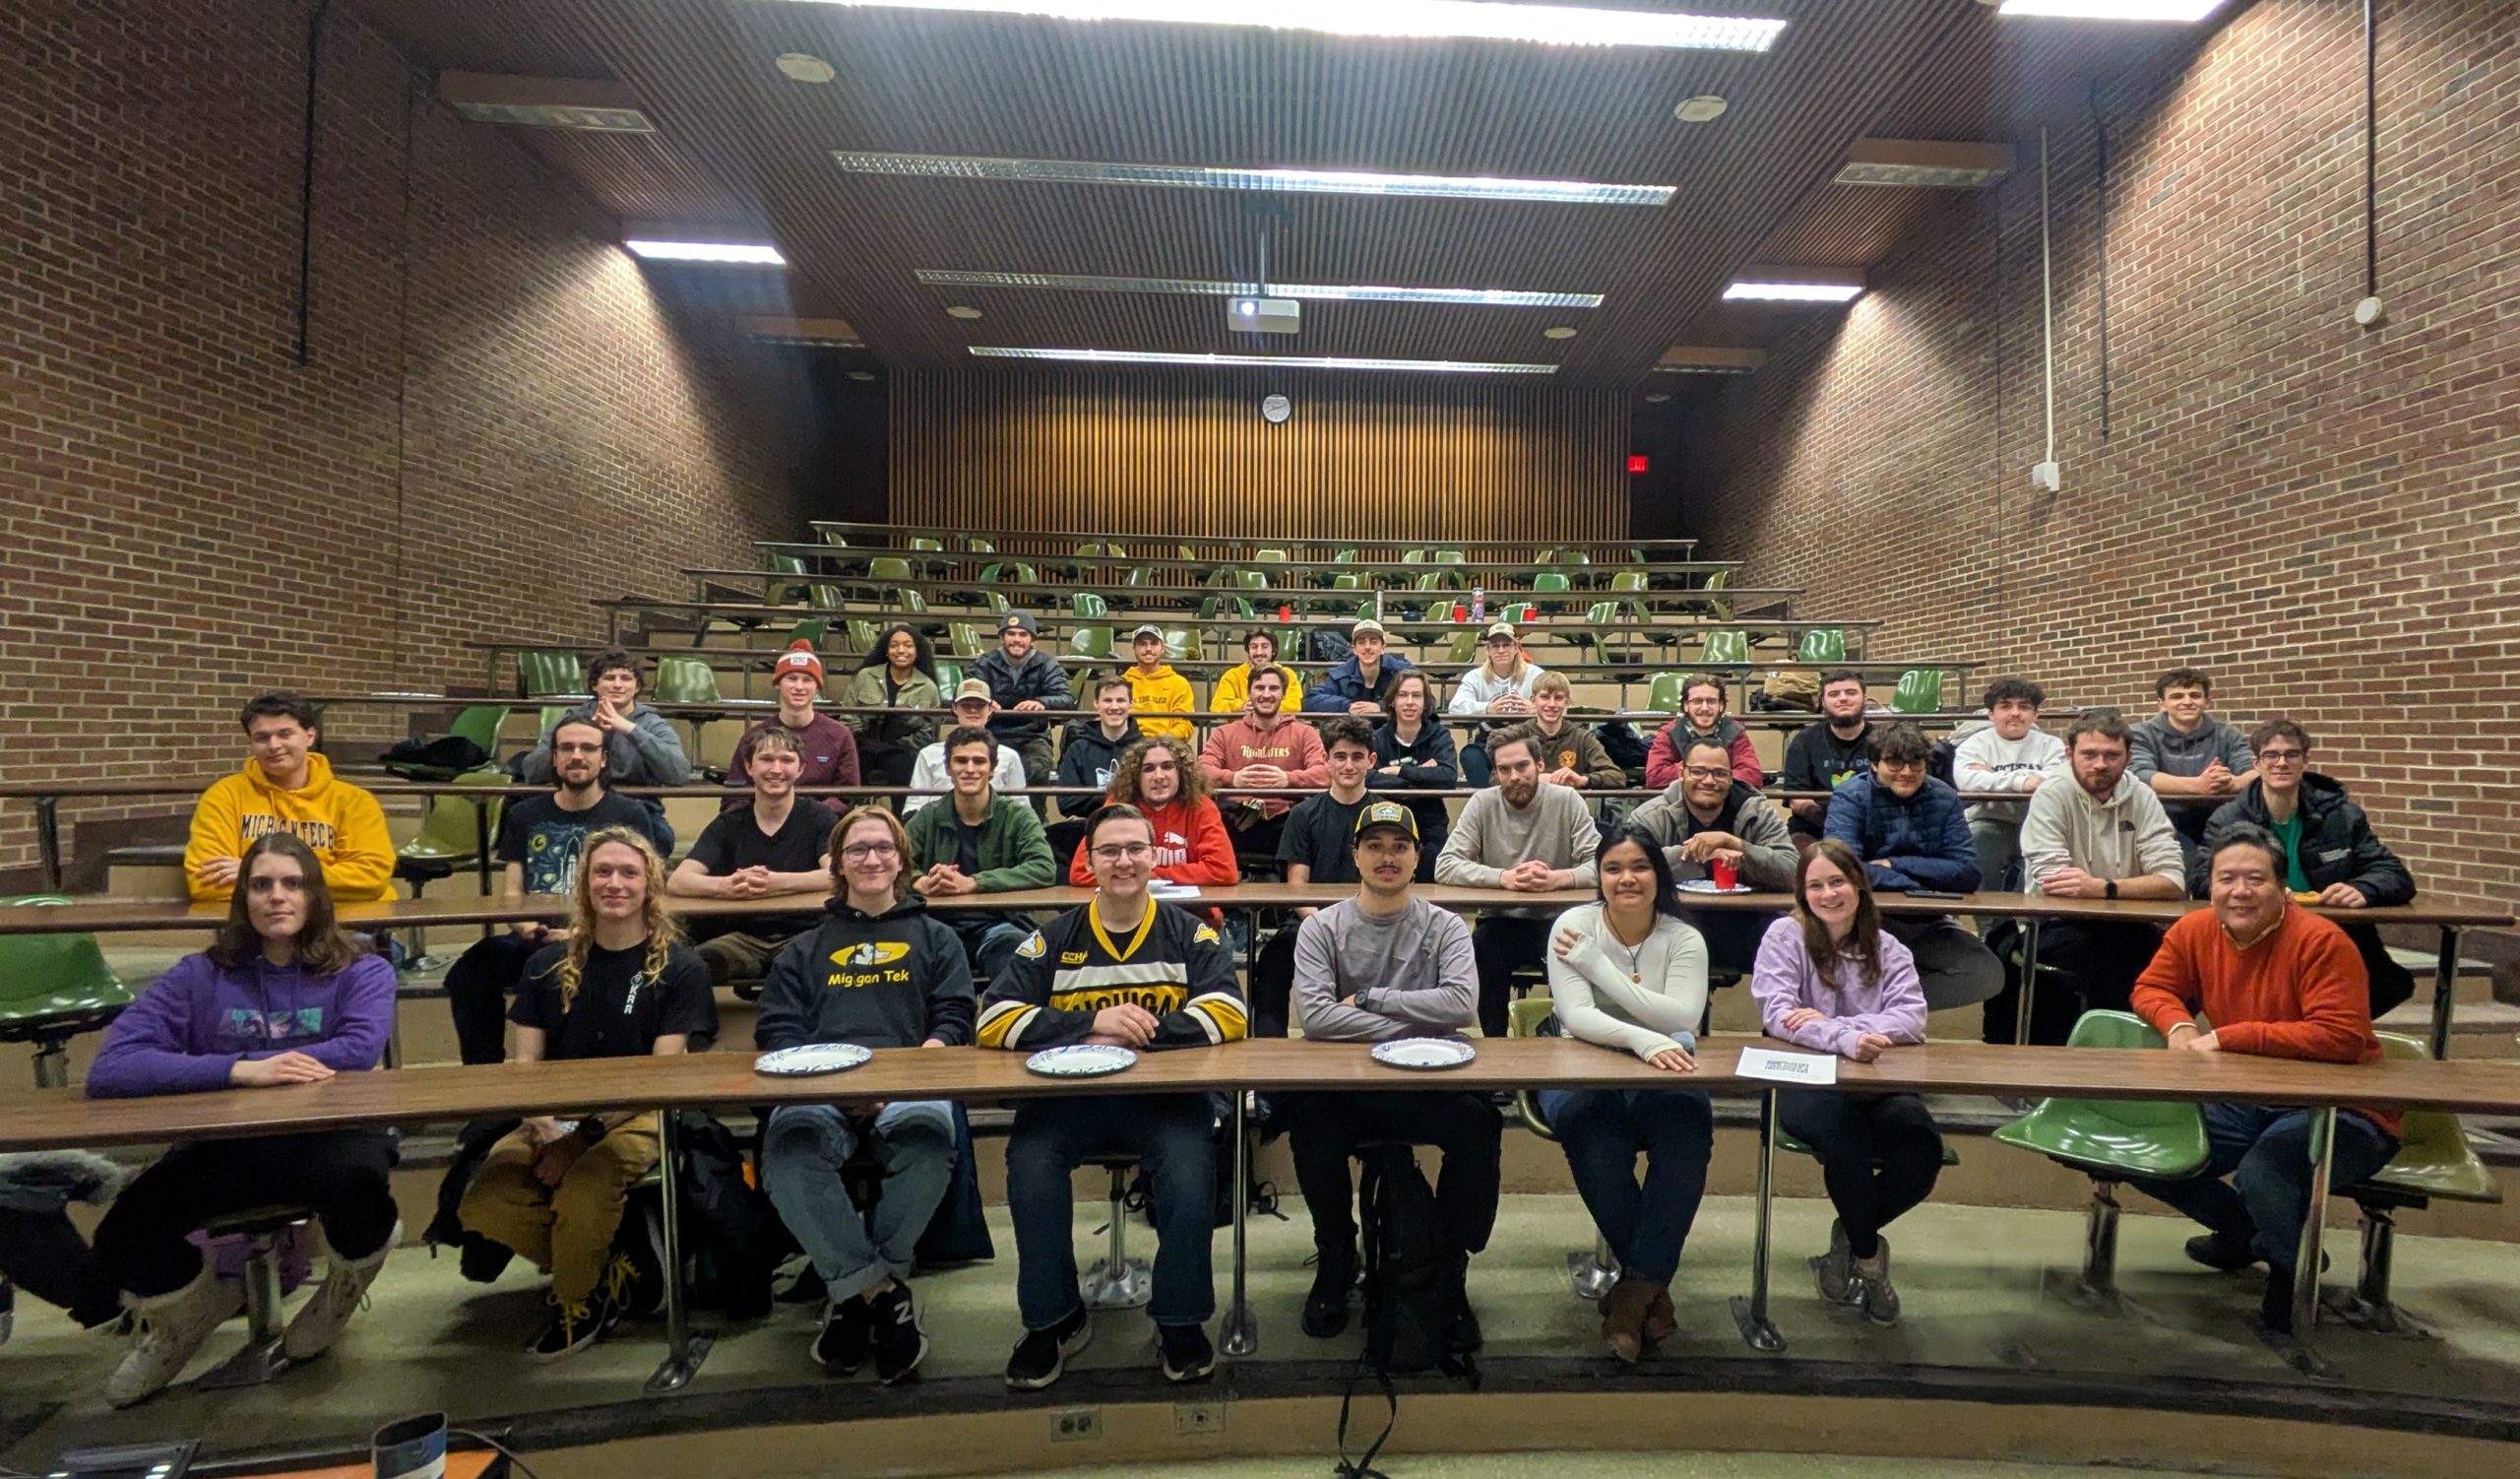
1636, 464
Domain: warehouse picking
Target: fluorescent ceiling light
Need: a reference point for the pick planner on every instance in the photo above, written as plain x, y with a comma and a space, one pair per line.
1051, 282
2172, 10
1565, 26
1926, 163
1792, 293
1199, 177
747, 254
593, 106
1264, 361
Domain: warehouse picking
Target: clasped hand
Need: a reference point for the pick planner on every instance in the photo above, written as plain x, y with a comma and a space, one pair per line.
1127, 1025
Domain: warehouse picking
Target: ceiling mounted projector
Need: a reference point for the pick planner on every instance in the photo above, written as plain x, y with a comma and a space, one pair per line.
1264, 315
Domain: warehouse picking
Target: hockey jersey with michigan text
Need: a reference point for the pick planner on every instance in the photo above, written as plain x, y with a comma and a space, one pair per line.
1175, 964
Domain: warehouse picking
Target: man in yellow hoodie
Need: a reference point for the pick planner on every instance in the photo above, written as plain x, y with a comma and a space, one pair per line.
285, 787
1154, 687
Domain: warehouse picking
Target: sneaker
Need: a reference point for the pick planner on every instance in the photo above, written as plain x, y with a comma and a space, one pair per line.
575, 1325
636, 1277
845, 1336
320, 1319
1874, 1292
2275, 1305
166, 1329
1461, 1334
1187, 1355
1834, 1271
1334, 1275
892, 1318
2221, 1250
1041, 1355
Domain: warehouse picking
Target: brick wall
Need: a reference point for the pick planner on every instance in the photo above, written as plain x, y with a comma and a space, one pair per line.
498, 419
2321, 516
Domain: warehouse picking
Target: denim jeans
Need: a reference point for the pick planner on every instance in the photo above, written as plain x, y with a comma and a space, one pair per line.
802, 1150
2265, 1150
1169, 1133
989, 939
1601, 1131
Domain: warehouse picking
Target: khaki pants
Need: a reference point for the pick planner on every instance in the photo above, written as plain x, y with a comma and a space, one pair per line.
738, 956
565, 1230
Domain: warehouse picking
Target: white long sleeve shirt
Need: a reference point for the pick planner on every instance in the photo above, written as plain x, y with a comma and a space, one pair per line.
1644, 1008
1987, 761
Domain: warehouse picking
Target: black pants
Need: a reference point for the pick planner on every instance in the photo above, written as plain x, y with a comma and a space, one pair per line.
340, 1175
1731, 938
2083, 967
477, 988
1273, 983
1503, 944
1323, 1131
43, 1254
1065, 834
1879, 1155
883, 764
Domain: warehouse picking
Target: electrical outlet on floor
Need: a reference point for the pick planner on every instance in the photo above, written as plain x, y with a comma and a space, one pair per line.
1069, 1424
1198, 1417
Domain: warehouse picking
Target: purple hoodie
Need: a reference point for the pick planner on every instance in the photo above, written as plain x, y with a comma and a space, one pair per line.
192, 1025
1785, 979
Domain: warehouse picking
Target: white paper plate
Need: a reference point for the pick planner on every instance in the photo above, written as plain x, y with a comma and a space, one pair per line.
811, 1060
1707, 885
1081, 1061
1423, 1053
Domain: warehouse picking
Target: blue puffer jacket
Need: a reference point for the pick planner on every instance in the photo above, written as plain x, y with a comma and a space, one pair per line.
1346, 685
1921, 842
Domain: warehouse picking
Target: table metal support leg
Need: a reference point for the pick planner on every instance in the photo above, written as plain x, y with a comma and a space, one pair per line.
2445, 990
685, 1349
2029, 978
1241, 1333
1751, 1313
2305, 1258
49, 840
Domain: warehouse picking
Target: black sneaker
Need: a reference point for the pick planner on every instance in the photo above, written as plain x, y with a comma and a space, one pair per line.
1325, 1310
846, 1333
1187, 1356
1041, 1355
2275, 1305
1460, 1327
2221, 1250
574, 1327
892, 1318
635, 1279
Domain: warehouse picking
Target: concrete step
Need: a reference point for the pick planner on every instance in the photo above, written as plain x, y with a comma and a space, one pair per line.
2477, 1029
2474, 980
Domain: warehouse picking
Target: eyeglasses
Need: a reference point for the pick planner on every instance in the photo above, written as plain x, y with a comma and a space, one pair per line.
1135, 852
2281, 756
1710, 772
579, 749
859, 852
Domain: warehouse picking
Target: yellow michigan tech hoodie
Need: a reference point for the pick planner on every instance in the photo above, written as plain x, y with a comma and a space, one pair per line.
1162, 691
340, 822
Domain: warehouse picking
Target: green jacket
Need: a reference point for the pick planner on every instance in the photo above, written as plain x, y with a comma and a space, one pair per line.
911, 732
1014, 853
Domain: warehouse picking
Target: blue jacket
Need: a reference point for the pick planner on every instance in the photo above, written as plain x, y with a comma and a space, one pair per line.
1346, 685
1921, 842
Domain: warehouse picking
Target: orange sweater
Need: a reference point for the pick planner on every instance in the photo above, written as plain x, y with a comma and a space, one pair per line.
2299, 991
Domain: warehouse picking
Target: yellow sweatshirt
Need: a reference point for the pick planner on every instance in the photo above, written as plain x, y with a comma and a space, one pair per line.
340, 822
1162, 691
1234, 691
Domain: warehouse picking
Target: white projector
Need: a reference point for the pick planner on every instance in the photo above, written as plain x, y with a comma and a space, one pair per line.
1264, 315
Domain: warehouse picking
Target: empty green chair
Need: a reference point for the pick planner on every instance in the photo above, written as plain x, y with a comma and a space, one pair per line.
52, 989
814, 630
2434, 1162
834, 538
1113, 551
1599, 614
888, 567
1089, 551
1462, 647
478, 722
2112, 1140
1521, 615
1551, 582
1412, 556
1269, 556
997, 604
1448, 557
1593, 1274
978, 546
1726, 647
1213, 608
1182, 644
908, 601
1346, 557
1920, 691
1252, 580
1663, 693
863, 635
1134, 576
1628, 582
1346, 580
948, 677
682, 680
549, 673
1089, 642
1087, 605
1822, 644
825, 598
1705, 599
451, 833
774, 592
963, 638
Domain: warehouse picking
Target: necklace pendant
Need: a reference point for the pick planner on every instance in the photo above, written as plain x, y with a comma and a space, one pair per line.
1637, 976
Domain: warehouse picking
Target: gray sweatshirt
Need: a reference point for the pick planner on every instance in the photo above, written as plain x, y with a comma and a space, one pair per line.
2125, 836
1491, 837
1408, 975
650, 756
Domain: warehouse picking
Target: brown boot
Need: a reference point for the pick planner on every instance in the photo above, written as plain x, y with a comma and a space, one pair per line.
1661, 1323
1623, 1317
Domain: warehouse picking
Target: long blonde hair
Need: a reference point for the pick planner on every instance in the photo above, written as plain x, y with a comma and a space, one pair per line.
662, 932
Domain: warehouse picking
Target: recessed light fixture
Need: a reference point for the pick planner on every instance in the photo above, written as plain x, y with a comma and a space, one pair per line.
2176, 11
1199, 177
962, 310
1264, 361
1050, 281
1705, 107
804, 66
1709, 359
1656, 398
727, 253
590, 106
1924, 163
1797, 284
1478, 19
1559, 332
861, 374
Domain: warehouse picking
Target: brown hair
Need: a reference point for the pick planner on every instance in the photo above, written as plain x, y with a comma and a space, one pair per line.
1427, 687
663, 931
901, 848
1864, 942
1524, 735
323, 948
776, 735
2182, 677
280, 706
1124, 775
1703, 681
2278, 729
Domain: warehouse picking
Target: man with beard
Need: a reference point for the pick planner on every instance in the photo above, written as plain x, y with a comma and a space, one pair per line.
1522, 837
1263, 748
1023, 680
1824, 755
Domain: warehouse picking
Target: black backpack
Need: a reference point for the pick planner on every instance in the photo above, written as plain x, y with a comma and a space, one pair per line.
1322, 645
1409, 1299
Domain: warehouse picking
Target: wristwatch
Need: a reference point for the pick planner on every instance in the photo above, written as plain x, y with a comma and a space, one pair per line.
592, 1129
2112, 888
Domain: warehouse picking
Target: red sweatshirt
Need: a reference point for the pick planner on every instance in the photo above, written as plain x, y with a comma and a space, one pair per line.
2298, 991
1663, 757
1191, 846
1291, 744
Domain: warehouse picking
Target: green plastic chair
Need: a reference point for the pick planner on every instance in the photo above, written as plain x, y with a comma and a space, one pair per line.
923, 541
949, 676
863, 635
1270, 555
1628, 582
1087, 605
834, 538
909, 600
1462, 647
1664, 691
1448, 557
549, 673
1212, 606
1346, 581
1551, 582
825, 598
999, 605
774, 592
1726, 647
1710, 603
1412, 556
2434, 1161
888, 567
1591, 1273
1252, 580
52, 989
1089, 642
1920, 691
450, 838
1182, 644
813, 629
1346, 556
681, 679
963, 638
975, 545
1822, 644
1523, 614
2112, 1140
1582, 639
478, 722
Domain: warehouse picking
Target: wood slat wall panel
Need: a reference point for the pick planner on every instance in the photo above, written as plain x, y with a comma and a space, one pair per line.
1155, 455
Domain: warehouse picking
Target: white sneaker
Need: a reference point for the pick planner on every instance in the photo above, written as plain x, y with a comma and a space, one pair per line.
320, 1319
165, 1330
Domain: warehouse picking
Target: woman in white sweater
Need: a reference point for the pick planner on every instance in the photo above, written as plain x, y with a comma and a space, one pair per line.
1628, 974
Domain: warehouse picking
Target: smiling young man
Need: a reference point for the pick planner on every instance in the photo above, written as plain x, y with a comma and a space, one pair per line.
1570, 754
826, 748
286, 787
1130, 971
2193, 761
2277, 982
980, 843
1362, 683
1910, 831
1823, 757
1267, 749
1702, 718
1499, 691
1711, 814
1089, 752
1023, 681
1155, 689
772, 848
2011, 754
1159, 777
929, 778
1522, 837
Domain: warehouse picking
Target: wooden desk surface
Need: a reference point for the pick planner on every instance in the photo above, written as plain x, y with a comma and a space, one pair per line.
46, 1118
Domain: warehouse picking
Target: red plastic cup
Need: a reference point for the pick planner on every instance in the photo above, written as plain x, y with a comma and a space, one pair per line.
1460, 613
1285, 612
1720, 870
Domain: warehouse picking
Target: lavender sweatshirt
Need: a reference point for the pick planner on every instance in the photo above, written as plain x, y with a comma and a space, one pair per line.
1785, 978
190, 1027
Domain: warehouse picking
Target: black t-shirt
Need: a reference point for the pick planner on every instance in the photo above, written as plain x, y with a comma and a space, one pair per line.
536, 833
618, 1012
966, 847
1320, 834
1818, 760
733, 841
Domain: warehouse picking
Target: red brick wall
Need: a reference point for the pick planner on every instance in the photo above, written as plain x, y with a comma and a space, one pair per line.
2321, 516
498, 421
